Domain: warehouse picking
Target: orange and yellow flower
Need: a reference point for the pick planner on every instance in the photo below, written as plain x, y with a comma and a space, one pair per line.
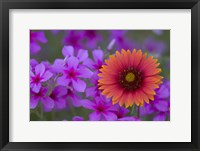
130, 78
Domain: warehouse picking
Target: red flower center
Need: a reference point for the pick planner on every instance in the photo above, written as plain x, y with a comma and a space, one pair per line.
72, 74
53, 96
130, 79
119, 115
100, 108
36, 79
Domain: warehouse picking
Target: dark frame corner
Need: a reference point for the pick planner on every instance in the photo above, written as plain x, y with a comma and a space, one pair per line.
5, 5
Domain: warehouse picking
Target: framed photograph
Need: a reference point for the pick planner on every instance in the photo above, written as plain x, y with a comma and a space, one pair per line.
99, 75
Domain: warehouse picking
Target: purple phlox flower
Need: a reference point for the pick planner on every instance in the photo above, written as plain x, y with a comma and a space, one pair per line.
72, 73
92, 38
161, 104
73, 98
47, 66
59, 95
73, 38
158, 32
35, 39
147, 109
68, 51
77, 118
93, 91
33, 63
122, 112
58, 65
154, 46
98, 56
38, 77
121, 40
102, 110
41, 96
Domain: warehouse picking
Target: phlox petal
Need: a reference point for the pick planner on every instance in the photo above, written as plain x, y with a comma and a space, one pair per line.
79, 85
95, 116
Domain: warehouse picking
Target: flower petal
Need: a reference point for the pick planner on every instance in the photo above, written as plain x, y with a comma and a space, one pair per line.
88, 104
98, 55
89, 63
58, 65
79, 85
33, 102
63, 81
82, 55
60, 91
68, 51
109, 116
34, 47
32, 74
72, 62
160, 117
77, 118
84, 72
95, 116
40, 36
47, 75
163, 92
147, 109
76, 101
90, 91
48, 102
39, 69
36, 87
123, 111
60, 103
161, 105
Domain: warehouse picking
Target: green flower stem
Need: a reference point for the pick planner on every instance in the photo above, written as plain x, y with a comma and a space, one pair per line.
72, 110
138, 111
37, 114
41, 112
51, 87
133, 109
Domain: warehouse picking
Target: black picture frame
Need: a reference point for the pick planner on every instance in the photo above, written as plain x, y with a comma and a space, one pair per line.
5, 5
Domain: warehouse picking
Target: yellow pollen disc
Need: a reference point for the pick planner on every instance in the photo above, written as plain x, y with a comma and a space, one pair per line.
130, 77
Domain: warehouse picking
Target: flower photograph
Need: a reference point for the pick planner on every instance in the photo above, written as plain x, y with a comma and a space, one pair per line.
99, 75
